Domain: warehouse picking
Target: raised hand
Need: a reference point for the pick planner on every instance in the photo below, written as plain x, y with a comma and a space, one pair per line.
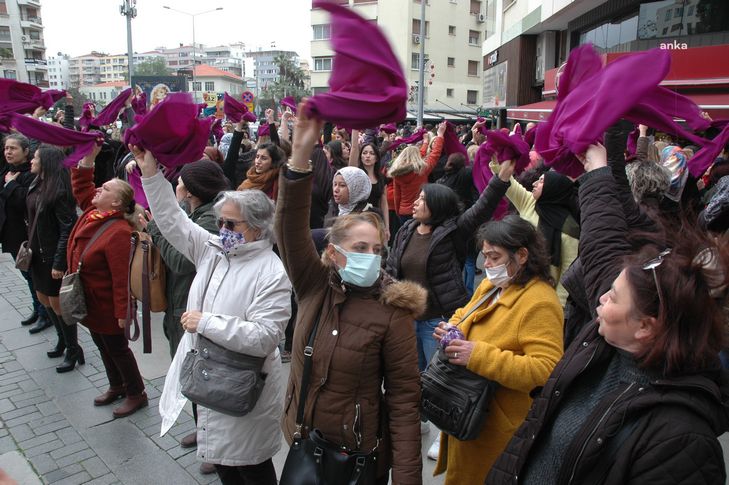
145, 160
306, 134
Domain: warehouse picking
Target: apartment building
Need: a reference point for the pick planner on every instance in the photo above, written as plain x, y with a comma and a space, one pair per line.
85, 70
58, 71
22, 47
454, 32
527, 40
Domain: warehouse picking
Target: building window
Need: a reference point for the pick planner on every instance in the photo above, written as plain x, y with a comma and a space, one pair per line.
197, 86
322, 31
690, 11
451, 62
612, 37
475, 7
471, 97
209, 86
5, 33
449, 92
451, 30
416, 27
415, 61
3, 8
473, 68
9, 74
474, 37
323, 64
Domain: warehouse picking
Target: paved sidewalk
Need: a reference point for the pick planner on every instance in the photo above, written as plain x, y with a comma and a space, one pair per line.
50, 431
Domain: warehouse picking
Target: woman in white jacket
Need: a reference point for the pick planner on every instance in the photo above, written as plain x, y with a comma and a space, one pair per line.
240, 300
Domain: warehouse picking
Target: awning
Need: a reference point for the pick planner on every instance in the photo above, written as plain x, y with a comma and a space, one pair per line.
717, 105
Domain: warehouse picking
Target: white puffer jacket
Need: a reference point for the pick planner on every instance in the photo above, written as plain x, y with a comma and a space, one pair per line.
245, 309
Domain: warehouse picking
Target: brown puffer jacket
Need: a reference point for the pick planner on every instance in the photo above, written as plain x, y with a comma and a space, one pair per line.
365, 342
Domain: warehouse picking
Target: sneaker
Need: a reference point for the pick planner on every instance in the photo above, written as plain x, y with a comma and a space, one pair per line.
424, 427
434, 449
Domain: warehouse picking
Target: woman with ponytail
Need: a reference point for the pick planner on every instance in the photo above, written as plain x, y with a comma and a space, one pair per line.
104, 277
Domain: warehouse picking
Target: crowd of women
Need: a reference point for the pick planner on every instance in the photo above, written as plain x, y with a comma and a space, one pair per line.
601, 316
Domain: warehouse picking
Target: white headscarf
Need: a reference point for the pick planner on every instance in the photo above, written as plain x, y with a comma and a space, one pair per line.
359, 186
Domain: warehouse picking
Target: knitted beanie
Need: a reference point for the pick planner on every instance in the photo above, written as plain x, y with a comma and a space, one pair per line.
204, 179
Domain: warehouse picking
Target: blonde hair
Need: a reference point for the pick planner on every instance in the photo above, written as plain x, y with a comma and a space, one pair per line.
339, 232
409, 160
129, 207
472, 150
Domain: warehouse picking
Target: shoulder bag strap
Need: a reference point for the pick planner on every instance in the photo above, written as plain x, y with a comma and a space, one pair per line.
31, 233
132, 320
306, 376
146, 303
96, 236
478, 304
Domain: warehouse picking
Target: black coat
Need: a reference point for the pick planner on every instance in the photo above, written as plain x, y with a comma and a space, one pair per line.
447, 252
13, 230
55, 222
461, 182
679, 419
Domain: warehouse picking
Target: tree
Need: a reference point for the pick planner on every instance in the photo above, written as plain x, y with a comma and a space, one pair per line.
291, 82
155, 66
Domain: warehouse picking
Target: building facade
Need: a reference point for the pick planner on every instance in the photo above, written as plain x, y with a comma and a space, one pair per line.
85, 70
263, 64
209, 79
22, 46
528, 40
102, 93
58, 71
454, 32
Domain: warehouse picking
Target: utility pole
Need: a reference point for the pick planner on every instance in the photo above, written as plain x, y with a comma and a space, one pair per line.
129, 10
421, 71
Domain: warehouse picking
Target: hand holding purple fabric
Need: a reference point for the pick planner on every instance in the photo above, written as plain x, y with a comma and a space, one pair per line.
111, 111
24, 98
451, 143
367, 86
414, 138
289, 102
236, 111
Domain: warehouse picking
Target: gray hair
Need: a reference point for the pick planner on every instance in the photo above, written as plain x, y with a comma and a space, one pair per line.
21, 139
647, 179
254, 206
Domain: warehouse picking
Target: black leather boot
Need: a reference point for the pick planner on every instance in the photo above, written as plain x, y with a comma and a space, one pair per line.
57, 351
43, 323
30, 319
74, 352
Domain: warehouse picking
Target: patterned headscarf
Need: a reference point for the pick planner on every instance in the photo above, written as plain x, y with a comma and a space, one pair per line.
675, 160
359, 186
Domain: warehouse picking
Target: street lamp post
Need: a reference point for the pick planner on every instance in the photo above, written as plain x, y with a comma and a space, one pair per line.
129, 10
194, 54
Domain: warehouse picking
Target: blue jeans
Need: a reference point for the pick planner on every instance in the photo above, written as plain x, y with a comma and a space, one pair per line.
427, 345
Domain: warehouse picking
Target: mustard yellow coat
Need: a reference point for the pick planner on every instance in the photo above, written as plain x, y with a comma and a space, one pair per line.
518, 341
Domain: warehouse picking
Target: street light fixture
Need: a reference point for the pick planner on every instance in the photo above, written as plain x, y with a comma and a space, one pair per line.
193, 15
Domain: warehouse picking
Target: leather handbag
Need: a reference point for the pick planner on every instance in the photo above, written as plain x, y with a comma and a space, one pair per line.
146, 284
25, 254
316, 461
453, 398
222, 380
71, 295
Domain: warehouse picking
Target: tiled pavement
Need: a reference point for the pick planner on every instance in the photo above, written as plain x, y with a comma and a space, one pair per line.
49, 420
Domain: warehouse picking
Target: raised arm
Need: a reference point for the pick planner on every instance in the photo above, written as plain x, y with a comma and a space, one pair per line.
186, 236
293, 207
516, 193
82, 180
231, 158
435, 150
354, 150
485, 206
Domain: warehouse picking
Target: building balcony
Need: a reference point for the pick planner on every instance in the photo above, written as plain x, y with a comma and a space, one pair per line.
31, 23
30, 3
36, 65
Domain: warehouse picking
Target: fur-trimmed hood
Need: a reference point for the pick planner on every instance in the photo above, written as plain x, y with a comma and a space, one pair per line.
406, 295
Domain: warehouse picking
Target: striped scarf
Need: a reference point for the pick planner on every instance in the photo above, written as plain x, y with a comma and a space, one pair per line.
97, 215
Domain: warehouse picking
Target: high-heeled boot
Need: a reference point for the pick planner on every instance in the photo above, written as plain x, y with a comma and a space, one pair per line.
57, 351
74, 352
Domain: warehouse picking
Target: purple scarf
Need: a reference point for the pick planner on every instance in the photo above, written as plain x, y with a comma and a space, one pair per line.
482, 174
367, 86
57, 135
139, 103
451, 143
414, 138
505, 147
289, 102
389, 128
107, 115
217, 128
17, 97
172, 131
264, 130
235, 110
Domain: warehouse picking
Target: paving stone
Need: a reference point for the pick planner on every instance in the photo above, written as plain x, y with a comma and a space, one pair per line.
45, 420
178, 451
24, 419
15, 392
69, 450
6, 405
75, 457
108, 479
95, 467
55, 385
8, 388
44, 448
12, 366
20, 411
77, 479
52, 427
28, 395
43, 463
165, 442
7, 443
13, 377
21, 432
188, 459
38, 440
47, 408
28, 385
69, 436
62, 473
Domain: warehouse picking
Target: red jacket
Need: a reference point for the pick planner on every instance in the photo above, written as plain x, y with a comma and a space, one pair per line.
106, 264
407, 187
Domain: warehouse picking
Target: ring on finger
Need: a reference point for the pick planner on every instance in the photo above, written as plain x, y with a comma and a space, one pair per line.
455, 355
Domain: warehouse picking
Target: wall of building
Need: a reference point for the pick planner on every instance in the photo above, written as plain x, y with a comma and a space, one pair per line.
21, 33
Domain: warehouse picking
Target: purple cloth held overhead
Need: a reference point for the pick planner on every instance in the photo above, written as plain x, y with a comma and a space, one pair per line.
451, 143
484, 129
367, 85
517, 129
235, 110
57, 135
24, 98
264, 130
506, 147
172, 131
289, 102
529, 135
389, 128
111, 111
217, 128
704, 158
139, 103
482, 174
414, 138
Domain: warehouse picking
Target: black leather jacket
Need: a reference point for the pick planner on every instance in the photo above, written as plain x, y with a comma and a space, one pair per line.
55, 222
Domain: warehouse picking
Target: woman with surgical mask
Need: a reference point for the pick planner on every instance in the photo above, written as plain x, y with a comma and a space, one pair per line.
513, 338
364, 387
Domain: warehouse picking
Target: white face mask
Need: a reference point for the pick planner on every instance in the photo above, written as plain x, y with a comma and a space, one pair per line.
498, 275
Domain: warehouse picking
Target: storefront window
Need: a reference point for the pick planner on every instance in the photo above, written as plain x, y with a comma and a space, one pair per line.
613, 36
674, 18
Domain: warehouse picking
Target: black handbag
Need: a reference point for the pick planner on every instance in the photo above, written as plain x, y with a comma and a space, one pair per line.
316, 461
25, 254
453, 398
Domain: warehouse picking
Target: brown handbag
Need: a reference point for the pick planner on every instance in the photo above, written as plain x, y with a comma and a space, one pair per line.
25, 254
146, 284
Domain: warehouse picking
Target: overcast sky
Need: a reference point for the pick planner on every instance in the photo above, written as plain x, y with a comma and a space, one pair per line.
76, 27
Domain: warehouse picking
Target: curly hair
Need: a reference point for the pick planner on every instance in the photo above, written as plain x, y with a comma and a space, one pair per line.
647, 179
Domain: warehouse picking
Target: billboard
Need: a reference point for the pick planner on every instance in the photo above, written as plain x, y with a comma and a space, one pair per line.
156, 87
494, 86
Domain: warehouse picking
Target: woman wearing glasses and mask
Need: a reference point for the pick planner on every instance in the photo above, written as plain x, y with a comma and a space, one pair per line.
364, 338
639, 396
240, 299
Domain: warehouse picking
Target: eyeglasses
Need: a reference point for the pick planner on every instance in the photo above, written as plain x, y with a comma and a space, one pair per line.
228, 223
652, 265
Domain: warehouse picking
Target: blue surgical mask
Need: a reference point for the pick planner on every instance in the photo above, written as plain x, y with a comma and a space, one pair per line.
362, 269
230, 239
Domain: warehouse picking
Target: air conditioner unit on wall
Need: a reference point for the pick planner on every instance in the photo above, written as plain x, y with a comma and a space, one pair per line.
481, 18
416, 39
